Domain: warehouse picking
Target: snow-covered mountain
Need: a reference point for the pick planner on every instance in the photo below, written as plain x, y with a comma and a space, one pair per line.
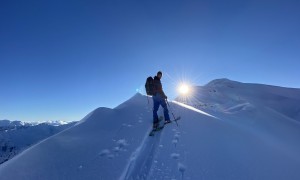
230, 130
7, 123
226, 96
15, 136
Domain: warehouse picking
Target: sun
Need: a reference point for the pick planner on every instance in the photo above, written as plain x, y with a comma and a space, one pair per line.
183, 89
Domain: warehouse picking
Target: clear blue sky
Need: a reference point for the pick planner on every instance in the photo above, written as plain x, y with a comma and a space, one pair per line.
60, 59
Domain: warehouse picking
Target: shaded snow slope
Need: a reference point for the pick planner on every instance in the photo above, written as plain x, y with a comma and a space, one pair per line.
236, 138
97, 147
15, 136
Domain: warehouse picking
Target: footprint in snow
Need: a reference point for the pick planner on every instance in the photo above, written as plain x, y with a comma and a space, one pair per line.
176, 136
181, 169
175, 156
104, 152
116, 149
175, 141
120, 145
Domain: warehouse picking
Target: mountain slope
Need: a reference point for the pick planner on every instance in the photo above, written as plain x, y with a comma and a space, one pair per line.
237, 137
228, 96
76, 153
15, 136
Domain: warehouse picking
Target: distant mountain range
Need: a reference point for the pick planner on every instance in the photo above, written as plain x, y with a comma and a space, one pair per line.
9, 123
16, 136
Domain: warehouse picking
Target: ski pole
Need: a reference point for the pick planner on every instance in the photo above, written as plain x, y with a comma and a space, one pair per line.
172, 113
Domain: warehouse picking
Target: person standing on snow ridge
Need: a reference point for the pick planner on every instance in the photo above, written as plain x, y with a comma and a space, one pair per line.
159, 98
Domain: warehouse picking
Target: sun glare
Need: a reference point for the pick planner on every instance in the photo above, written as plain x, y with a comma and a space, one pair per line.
183, 89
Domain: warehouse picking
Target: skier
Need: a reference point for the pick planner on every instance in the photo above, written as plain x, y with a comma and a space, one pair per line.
159, 98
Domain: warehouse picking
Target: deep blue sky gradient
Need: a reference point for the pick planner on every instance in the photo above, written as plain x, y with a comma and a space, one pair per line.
61, 59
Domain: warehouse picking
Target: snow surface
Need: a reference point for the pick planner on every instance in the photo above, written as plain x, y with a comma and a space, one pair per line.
231, 131
15, 136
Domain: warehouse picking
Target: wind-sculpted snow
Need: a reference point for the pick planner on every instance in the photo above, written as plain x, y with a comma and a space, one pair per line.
237, 131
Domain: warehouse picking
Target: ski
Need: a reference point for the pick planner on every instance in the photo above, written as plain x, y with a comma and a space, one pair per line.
160, 119
173, 120
152, 132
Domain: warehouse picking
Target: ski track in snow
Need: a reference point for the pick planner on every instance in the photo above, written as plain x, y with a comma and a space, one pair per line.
140, 162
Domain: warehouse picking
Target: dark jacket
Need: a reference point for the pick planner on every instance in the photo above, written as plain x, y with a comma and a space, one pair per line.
158, 87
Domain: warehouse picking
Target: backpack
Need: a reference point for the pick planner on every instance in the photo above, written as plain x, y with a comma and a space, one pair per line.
149, 86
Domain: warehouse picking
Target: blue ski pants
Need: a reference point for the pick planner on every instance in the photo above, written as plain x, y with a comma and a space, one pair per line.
157, 101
